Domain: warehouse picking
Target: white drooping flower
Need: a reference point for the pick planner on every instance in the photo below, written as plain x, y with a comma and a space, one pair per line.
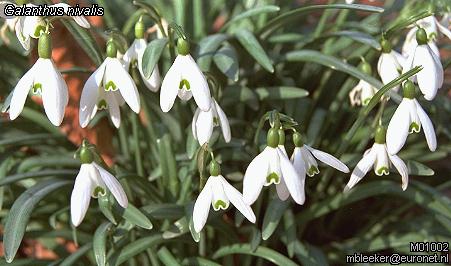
107, 88
27, 27
44, 79
389, 65
362, 93
91, 181
135, 54
218, 193
272, 166
186, 80
430, 78
408, 118
204, 122
378, 156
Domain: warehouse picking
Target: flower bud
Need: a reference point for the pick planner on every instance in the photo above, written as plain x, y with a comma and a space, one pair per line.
408, 90
45, 46
422, 37
380, 135
139, 29
183, 46
386, 46
272, 139
366, 68
111, 50
215, 169
297, 140
281, 133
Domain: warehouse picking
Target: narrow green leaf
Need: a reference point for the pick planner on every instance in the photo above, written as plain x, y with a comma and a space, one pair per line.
99, 243
48, 161
198, 261
416, 168
358, 37
44, 173
179, 228
189, 215
262, 252
191, 143
166, 257
227, 61
207, 49
290, 231
235, 93
273, 213
133, 215
20, 213
252, 12
133, 249
105, 207
256, 238
309, 255
74, 257
280, 93
253, 47
152, 54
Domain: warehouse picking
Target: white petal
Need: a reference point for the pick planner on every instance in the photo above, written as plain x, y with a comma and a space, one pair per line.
198, 83
311, 166
439, 68
410, 42
113, 185
202, 207
154, 81
223, 121
80, 20
428, 127
54, 90
129, 56
170, 85
115, 72
23, 39
427, 77
193, 123
274, 165
362, 167
184, 94
113, 108
399, 59
237, 200
387, 68
81, 195
204, 127
20, 93
298, 162
398, 128
255, 177
402, 169
328, 159
382, 164
443, 30
282, 190
90, 95
292, 179
218, 194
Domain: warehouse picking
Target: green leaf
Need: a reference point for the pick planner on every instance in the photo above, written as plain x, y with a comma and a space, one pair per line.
74, 257
309, 255
20, 213
416, 168
235, 93
198, 261
207, 49
152, 54
273, 213
166, 257
99, 243
288, 17
44, 173
133, 249
179, 228
48, 161
253, 47
7, 102
227, 61
105, 207
133, 215
359, 37
280, 93
262, 252
252, 12
189, 215
290, 232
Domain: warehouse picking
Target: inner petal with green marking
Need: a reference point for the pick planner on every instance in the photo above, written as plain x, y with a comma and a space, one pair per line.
102, 105
98, 191
220, 205
110, 86
37, 88
215, 121
414, 127
272, 178
38, 30
313, 170
382, 171
184, 83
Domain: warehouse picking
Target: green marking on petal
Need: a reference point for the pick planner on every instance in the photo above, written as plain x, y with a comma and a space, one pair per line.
98, 191
215, 121
38, 30
414, 127
432, 36
219, 204
110, 86
382, 171
184, 83
102, 105
313, 170
366, 101
37, 89
272, 178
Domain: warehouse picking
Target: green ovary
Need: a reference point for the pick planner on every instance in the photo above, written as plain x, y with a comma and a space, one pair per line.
184, 83
273, 178
37, 88
382, 171
414, 127
219, 204
102, 105
313, 170
110, 86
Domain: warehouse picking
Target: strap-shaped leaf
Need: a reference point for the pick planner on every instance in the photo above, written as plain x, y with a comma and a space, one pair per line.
262, 252
133, 215
133, 249
99, 243
207, 49
251, 13
227, 61
272, 217
280, 93
253, 47
152, 54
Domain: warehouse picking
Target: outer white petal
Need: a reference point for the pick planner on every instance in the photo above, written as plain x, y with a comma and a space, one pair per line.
388, 67
328, 159
362, 167
193, 123
439, 68
81, 195
402, 169
237, 200
223, 121
23, 39
443, 29
399, 59
113, 185
116, 73
113, 108
31, 24
255, 177
20, 93
298, 162
204, 127
427, 77
428, 127
54, 90
398, 128
170, 85
80, 20
129, 56
198, 83
410, 42
202, 207
292, 179
154, 81
90, 95
282, 190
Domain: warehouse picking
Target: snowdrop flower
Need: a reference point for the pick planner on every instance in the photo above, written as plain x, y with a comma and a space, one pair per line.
186, 80
430, 79
32, 26
272, 166
408, 118
43, 78
107, 88
378, 156
389, 65
92, 181
135, 54
362, 93
204, 122
218, 193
